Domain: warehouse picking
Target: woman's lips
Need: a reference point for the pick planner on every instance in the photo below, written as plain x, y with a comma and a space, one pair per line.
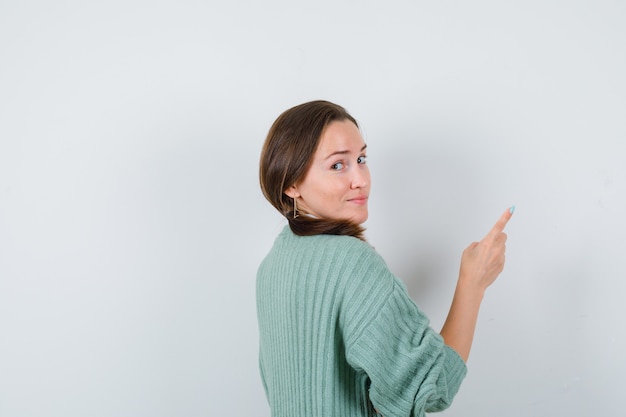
359, 200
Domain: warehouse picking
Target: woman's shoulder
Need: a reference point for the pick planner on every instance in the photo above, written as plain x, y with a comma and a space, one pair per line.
325, 243
338, 252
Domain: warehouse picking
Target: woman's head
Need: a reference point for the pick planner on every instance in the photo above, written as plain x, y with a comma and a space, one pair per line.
314, 158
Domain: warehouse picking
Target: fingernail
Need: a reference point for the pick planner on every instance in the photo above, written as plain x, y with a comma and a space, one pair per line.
512, 209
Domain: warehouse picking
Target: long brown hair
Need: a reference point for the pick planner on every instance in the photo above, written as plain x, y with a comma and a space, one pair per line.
286, 157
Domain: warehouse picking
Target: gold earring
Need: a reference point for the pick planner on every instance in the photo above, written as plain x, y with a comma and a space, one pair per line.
295, 208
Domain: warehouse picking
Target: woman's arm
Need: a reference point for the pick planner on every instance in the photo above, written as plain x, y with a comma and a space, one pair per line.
481, 264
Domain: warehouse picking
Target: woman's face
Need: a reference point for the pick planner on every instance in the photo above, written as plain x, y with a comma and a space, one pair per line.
337, 184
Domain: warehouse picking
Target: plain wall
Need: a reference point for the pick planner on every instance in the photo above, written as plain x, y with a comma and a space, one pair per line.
132, 224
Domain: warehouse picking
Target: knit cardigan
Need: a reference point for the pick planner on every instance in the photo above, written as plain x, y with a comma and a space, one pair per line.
339, 335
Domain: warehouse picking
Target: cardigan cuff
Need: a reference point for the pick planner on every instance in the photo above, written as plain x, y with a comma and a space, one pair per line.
455, 370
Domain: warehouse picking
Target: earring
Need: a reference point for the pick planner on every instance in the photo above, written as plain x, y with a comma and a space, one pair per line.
295, 208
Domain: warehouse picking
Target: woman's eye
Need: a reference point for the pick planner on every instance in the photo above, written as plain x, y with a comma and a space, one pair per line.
362, 159
338, 166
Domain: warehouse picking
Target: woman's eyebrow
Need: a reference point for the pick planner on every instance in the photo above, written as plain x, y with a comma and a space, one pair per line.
343, 152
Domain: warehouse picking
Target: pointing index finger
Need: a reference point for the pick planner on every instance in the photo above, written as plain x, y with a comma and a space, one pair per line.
501, 223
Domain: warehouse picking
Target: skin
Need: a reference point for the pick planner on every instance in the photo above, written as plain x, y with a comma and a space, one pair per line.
481, 264
337, 184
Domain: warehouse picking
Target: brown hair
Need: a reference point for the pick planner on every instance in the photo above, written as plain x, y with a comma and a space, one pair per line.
286, 157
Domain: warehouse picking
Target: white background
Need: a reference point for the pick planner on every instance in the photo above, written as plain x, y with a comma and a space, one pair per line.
132, 224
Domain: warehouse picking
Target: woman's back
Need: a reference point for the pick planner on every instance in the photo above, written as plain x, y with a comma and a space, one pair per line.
324, 306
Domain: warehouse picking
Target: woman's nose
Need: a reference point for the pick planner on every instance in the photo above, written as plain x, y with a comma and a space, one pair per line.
360, 178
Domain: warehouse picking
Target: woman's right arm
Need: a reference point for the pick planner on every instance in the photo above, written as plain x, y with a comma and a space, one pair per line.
481, 264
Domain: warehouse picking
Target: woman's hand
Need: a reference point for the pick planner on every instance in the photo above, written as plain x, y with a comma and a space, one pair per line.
481, 264
483, 261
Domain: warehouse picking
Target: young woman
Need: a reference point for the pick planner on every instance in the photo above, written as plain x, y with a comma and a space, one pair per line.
339, 335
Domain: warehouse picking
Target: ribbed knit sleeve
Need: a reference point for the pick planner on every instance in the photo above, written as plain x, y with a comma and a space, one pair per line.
339, 335
410, 368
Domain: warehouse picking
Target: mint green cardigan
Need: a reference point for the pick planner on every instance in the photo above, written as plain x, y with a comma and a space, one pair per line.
340, 337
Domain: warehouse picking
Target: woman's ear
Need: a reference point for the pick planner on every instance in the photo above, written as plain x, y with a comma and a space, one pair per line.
292, 192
